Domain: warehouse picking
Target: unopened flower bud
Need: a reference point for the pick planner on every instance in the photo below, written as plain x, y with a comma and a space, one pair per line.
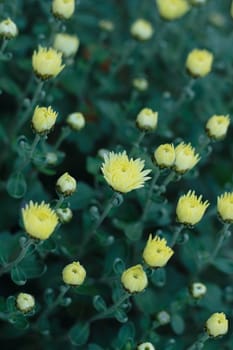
76, 121
146, 346
141, 84
134, 279
163, 317
66, 185
225, 207
164, 155
66, 43
217, 324
25, 302
106, 25
63, 9
217, 126
199, 63
141, 29
147, 120
51, 158
43, 120
172, 9
74, 274
64, 214
8, 29
198, 290
185, 158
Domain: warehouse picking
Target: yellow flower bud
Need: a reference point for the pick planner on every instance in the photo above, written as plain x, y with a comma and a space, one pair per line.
198, 290
67, 44
74, 274
141, 84
66, 185
172, 9
163, 317
185, 158
63, 9
217, 126
225, 206
147, 120
217, 324
39, 220
146, 346
141, 29
25, 302
190, 208
134, 279
197, 2
8, 29
164, 155
231, 10
43, 120
199, 63
64, 214
106, 25
76, 121
51, 158
47, 63
157, 253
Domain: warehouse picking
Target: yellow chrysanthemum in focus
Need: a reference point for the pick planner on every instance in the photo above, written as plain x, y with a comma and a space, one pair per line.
47, 62
156, 252
66, 43
164, 155
39, 220
124, 174
199, 63
190, 208
63, 9
43, 119
217, 324
172, 9
74, 274
217, 125
225, 206
185, 158
134, 279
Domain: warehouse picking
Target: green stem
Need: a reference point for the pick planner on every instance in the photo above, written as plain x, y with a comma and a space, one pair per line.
3, 46
170, 177
176, 235
199, 344
59, 202
31, 153
138, 142
186, 90
19, 258
223, 234
111, 309
150, 193
65, 132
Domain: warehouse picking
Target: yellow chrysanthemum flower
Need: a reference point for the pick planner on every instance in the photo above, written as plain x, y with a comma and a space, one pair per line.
25, 302
74, 274
8, 29
141, 29
225, 206
124, 174
217, 125
39, 220
164, 155
190, 208
47, 63
66, 184
199, 63
66, 43
134, 279
217, 324
185, 158
63, 9
43, 119
157, 253
172, 9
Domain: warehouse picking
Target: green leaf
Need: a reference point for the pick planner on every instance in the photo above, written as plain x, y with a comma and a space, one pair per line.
94, 347
93, 165
19, 320
18, 276
224, 265
16, 185
126, 334
11, 304
81, 199
121, 316
132, 230
118, 266
177, 324
99, 303
79, 333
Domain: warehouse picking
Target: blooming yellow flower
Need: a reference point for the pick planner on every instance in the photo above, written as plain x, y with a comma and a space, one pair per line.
74, 274
225, 206
190, 208
63, 9
141, 84
217, 324
134, 279
64, 215
172, 9
198, 290
39, 220
147, 119
217, 125
8, 29
76, 121
164, 155
25, 302
66, 43
199, 63
66, 185
43, 119
141, 29
185, 158
157, 253
107, 25
47, 63
146, 346
124, 174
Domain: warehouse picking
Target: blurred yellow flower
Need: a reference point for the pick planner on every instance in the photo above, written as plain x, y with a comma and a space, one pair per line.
43, 119
198, 290
134, 279
39, 220
63, 9
76, 121
199, 63
231, 10
172, 9
141, 84
107, 25
157, 253
66, 185
225, 206
217, 125
66, 43
185, 158
147, 119
74, 274
217, 324
190, 208
141, 29
8, 29
47, 63
124, 174
164, 155
25, 302
146, 346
